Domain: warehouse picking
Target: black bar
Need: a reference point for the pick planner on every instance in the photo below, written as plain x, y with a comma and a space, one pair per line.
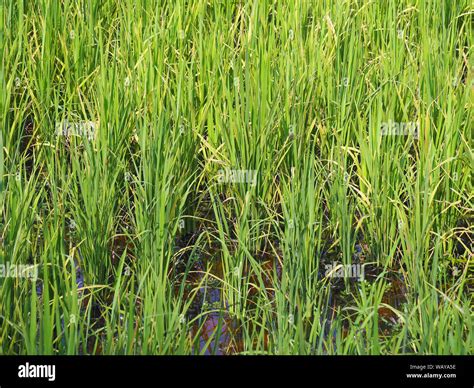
111, 371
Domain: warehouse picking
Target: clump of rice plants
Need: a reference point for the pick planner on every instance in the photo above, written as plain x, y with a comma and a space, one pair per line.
245, 177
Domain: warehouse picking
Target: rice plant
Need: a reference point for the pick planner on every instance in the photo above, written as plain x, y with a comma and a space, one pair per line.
236, 177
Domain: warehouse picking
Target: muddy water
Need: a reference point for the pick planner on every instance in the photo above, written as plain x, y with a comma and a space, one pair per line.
219, 334
216, 333
214, 325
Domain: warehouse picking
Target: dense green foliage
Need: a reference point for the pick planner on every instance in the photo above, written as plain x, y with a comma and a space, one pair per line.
154, 153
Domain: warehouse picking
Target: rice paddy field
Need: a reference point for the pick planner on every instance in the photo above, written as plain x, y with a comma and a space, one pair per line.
236, 177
